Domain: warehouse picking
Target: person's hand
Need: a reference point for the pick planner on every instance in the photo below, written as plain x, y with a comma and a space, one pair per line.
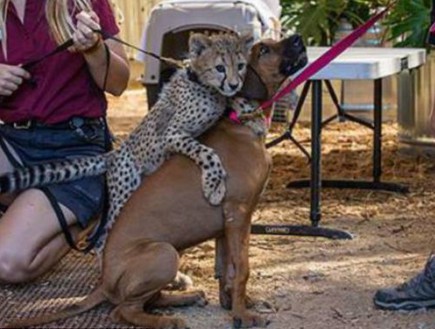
11, 77
84, 37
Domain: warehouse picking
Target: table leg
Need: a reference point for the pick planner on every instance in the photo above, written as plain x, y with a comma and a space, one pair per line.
316, 131
377, 137
288, 133
375, 183
315, 214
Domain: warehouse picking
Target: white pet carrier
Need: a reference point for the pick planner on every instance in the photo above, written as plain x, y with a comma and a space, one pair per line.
170, 23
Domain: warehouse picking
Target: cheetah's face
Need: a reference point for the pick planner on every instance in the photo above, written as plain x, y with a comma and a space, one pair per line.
220, 61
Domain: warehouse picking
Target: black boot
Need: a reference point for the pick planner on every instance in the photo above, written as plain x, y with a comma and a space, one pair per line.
418, 292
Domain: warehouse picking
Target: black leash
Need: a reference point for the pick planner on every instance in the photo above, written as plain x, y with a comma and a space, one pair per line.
58, 49
170, 61
62, 220
94, 237
36, 61
69, 43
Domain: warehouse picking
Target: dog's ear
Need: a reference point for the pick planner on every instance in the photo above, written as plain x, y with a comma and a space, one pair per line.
253, 86
197, 43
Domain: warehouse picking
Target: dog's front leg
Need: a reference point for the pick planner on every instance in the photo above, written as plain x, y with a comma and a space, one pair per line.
237, 231
225, 278
221, 273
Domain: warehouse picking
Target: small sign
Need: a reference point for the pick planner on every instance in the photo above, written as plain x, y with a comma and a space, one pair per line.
404, 63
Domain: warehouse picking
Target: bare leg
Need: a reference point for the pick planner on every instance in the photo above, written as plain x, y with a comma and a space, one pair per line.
31, 241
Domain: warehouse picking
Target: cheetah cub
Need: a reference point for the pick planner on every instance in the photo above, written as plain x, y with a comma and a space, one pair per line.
189, 104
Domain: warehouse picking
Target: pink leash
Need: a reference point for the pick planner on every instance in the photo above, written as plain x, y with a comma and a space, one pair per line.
431, 38
326, 58
234, 117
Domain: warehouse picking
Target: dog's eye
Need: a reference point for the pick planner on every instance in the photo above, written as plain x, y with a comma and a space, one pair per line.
264, 50
241, 66
220, 68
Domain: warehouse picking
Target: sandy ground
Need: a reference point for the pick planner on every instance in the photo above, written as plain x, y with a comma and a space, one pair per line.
313, 283
298, 282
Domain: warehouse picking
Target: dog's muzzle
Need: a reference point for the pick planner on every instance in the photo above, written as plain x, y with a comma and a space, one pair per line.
290, 67
295, 55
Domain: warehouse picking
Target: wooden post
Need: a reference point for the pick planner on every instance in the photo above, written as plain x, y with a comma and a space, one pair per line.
131, 17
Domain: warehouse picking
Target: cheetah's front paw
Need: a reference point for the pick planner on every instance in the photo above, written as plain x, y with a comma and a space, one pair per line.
213, 183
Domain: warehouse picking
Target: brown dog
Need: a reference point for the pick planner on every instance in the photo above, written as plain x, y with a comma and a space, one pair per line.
168, 214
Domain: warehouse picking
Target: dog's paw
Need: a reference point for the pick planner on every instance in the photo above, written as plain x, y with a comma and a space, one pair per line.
172, 323
201, 300
181, 282
213, 183
225, 300
249, 320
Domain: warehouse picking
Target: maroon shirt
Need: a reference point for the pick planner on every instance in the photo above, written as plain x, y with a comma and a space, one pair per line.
63, 85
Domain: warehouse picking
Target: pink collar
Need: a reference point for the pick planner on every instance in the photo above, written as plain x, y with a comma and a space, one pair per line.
234, 117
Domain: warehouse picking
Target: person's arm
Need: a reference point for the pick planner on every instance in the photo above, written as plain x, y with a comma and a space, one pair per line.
90, 44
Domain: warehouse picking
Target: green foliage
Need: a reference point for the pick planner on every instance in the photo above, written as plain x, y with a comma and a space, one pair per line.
409, 23
317, 21
314, 20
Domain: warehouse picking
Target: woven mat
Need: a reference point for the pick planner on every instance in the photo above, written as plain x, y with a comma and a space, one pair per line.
74, 277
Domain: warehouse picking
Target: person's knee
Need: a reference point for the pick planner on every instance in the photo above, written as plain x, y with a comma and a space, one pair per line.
14, 269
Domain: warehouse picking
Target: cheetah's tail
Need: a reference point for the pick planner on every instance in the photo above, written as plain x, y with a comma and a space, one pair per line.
52, 172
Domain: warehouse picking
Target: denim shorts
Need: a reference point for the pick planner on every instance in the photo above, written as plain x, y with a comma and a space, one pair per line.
41, 144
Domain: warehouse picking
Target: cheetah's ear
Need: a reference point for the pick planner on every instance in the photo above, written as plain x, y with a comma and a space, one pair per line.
197, 43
